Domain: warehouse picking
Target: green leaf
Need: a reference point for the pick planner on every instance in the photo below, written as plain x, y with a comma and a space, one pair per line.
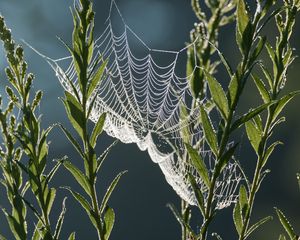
109, 220
181, 220
78, 175
248, 116
237, 218
96, 79
36, 234
233, 89
72, 140
223, 59
218, 95
286, 225
84, 204
243, 200
254, 135
270, 151
243, 34
103, 156
257, 225
110, 190
262, 89
97, 129
283, 102
209, 132
17, 229
225, 159
72, 236
184, 132
199, 164
49, 197
259, 47
54, 170
60, 220
198, 194
194, 74
75, 113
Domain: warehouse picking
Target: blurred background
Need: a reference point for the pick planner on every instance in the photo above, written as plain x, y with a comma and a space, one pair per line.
141, 197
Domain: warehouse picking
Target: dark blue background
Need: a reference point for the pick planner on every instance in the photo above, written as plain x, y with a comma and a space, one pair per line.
141, 197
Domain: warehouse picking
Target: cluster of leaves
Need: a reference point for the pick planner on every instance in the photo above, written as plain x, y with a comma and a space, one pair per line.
26, 144
259, 129
79, 104
285, 223
25, 150
205, 34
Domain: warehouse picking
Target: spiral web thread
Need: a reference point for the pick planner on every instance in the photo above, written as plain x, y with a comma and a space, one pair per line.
143, 101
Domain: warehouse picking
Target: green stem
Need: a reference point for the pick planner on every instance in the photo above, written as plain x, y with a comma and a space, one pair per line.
257, 174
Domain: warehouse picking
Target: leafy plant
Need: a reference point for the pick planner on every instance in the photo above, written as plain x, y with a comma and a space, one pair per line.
285, 222
25, 151
251, 43
79, 104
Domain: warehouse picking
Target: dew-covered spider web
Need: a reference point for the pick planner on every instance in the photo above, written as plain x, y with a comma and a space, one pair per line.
143, 97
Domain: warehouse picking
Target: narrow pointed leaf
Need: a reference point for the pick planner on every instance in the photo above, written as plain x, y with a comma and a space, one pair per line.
243, 195
194, 74
199, 164
286, 225
237, 218
98, 129
72, 140
198, 194
270, 151
254, 135
109, 220
75, 113
251, 114
103, 156
262, 89
50, 197
257, 225
72, 236
225, 159
283, 102
243, 200
184, 132
84, 204
18, 230
218, 94
96, 79
60, 220
110, 191
209, 132
180, 219
78, 175
242, 16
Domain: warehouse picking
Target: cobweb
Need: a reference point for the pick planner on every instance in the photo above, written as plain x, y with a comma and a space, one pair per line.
143, 99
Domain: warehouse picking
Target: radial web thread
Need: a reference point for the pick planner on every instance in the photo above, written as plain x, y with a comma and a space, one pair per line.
143, 101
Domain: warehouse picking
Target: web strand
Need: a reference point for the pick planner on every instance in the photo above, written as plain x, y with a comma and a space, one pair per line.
143, 100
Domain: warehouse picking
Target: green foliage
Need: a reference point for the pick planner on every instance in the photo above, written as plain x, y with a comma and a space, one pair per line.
225, 100
285, 222
78, 108
26, 150
24, 158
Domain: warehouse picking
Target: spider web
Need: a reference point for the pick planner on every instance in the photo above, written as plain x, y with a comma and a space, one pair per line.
143, 99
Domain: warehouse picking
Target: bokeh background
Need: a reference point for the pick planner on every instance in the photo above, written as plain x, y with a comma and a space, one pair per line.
141, 197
